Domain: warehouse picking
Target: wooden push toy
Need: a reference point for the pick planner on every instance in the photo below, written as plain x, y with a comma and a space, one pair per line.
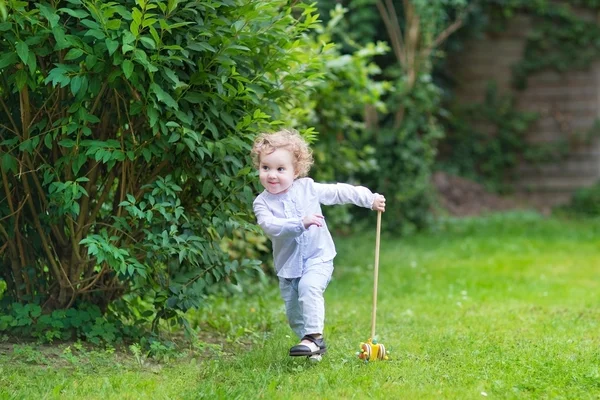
371, 350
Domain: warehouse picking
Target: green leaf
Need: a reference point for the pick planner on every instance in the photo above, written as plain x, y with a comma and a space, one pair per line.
3, 11
134, 28
127, 68
23, 51
148, 42
195, 97
111, 45
75, 13
149, 22
77, 163
88, 23
21, 78
10, 142
49, 14
238, 47
153, 116
8, 59
75, 84
98, 34
238, 25
127, 47
146, 154
58, 75
137, 15
113, 24
201, 46
228, 119
9, 163
90, 61
163, 96
212, 127
32, 63
128, 38
155, 35
68, 143
73, 54
141, 57
60, 37
84, 87
48, 140
171, 75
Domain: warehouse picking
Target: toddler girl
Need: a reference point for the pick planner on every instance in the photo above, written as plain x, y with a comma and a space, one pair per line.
289, 212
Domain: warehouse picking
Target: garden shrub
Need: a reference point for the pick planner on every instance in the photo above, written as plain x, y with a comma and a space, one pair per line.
124, 140
402, 133
336, 107
585, 202
486, 142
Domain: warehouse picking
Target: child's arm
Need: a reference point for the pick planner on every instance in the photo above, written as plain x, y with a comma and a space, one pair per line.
280, 227
343, 193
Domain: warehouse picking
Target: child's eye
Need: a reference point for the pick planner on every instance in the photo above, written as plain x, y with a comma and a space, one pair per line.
280, 169
265, 168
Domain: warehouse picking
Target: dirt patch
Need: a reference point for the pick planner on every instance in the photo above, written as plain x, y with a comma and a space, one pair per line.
462, 198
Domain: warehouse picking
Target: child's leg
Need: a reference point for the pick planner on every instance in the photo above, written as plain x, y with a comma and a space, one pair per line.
289, 294
311, 288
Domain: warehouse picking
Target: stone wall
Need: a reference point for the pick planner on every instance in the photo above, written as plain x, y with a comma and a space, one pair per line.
567, 104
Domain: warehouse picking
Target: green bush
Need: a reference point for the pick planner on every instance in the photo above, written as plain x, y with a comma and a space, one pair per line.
585, 202
405, 157
486, 142
85, 322
124, 140
395, 155
336, 107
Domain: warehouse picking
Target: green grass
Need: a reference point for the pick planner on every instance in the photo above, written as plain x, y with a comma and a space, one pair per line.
503, 307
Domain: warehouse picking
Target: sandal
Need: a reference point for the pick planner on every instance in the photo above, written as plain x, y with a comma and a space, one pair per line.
317, 346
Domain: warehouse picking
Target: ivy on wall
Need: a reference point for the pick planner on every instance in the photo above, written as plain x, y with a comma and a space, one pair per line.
565, 37
487, 141
561, 39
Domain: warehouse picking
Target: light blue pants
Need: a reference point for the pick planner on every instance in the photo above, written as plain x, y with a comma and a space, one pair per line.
304, 301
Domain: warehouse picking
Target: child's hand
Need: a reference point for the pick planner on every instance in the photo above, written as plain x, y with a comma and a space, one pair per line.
315, 219
379, 203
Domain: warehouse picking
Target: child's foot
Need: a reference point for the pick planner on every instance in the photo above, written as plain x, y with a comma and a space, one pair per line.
309, 346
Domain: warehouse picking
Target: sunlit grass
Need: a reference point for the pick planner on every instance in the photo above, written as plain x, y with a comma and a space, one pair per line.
505, 306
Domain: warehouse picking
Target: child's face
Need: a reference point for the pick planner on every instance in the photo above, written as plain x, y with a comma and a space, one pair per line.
276, 171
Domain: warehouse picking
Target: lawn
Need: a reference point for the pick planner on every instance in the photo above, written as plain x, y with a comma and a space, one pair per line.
505, 306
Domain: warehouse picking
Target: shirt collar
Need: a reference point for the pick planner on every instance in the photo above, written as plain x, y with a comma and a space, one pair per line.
280, 197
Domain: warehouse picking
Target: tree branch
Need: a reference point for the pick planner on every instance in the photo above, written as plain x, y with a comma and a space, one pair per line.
396, 40
14, 262
447, 32
99, 202
153, 175
396, 28
10, 118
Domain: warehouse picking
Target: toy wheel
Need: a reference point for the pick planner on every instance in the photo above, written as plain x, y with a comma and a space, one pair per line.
382, 353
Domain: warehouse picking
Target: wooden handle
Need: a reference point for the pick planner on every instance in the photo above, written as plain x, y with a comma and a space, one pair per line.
376, 274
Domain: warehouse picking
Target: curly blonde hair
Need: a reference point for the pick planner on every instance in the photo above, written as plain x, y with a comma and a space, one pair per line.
289, 139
